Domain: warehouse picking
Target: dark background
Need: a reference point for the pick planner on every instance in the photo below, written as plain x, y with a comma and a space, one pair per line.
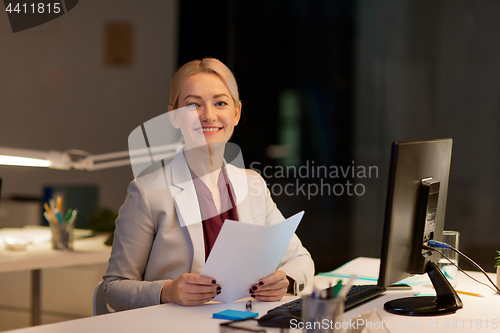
287, 46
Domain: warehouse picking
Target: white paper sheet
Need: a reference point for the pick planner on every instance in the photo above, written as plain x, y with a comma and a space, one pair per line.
244, 253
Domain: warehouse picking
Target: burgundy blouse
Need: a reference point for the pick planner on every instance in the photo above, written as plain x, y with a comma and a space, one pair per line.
212, 220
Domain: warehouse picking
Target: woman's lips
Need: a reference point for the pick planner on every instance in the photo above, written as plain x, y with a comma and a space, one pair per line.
209, 130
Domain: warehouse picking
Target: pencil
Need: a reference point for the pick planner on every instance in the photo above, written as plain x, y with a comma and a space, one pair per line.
468, 293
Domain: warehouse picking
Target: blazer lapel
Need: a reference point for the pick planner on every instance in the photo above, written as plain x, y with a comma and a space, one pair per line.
187, 207
238, 178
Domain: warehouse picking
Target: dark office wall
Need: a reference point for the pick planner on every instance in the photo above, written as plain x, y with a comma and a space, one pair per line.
300, 50
303, 48
428, 69
58, 93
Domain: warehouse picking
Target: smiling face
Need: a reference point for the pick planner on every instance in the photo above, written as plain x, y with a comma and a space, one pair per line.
216, 113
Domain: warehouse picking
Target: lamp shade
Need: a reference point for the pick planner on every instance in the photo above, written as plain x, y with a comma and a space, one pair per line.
34, 158
81, 160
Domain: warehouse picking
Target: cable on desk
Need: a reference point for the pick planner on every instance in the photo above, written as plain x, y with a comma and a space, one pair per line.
433, 245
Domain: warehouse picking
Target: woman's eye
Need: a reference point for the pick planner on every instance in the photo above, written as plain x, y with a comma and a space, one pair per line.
221, 103
194, 105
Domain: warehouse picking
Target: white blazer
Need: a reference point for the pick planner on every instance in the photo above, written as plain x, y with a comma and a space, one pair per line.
153, 243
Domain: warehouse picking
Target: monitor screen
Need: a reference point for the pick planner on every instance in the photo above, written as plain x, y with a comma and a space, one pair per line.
415, 213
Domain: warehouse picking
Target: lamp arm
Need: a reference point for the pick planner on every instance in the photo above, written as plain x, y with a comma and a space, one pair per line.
59, 160
122, 158
123, 162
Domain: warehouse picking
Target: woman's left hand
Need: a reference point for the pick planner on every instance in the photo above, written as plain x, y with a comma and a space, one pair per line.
271, 288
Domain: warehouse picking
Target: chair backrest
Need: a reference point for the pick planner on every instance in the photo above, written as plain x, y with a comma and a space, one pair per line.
100, 305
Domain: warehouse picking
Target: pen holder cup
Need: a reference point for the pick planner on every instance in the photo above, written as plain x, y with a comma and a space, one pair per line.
62, 236
322, 315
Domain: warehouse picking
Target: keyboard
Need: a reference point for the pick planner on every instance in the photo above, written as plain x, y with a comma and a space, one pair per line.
356, 296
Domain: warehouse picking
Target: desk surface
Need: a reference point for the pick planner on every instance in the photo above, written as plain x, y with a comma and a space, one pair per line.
87, 251
477, 315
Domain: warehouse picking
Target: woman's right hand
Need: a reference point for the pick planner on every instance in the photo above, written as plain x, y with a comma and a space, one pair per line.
189, 289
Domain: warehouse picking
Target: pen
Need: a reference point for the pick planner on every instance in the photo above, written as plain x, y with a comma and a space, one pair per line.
59, 203
48, 217
68, 215
47, 208
58, 215
337, 288
52, 203
345, 289
73, 217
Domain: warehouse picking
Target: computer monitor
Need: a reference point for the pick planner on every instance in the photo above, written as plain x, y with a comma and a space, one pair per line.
415, 213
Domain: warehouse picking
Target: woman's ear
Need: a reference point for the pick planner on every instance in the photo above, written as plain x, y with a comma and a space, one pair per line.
238, 115
174, 117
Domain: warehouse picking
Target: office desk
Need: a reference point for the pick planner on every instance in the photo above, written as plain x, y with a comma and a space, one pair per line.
477, 313
87, 251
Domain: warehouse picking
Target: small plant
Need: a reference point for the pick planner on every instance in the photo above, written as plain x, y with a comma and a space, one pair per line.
497, 263
103, 220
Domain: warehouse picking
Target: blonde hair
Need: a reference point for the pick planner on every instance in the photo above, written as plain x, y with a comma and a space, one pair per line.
206, 65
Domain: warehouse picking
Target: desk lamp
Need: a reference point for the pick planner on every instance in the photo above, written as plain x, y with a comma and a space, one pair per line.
155, 140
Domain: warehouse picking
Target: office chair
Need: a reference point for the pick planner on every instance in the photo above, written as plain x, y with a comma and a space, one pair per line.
100, 305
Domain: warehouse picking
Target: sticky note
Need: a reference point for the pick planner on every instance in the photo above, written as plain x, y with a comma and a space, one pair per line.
234, 315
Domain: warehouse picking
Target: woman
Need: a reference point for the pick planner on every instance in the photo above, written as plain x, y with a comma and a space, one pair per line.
160, 246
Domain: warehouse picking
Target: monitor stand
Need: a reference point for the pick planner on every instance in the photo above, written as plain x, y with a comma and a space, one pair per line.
445, 301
